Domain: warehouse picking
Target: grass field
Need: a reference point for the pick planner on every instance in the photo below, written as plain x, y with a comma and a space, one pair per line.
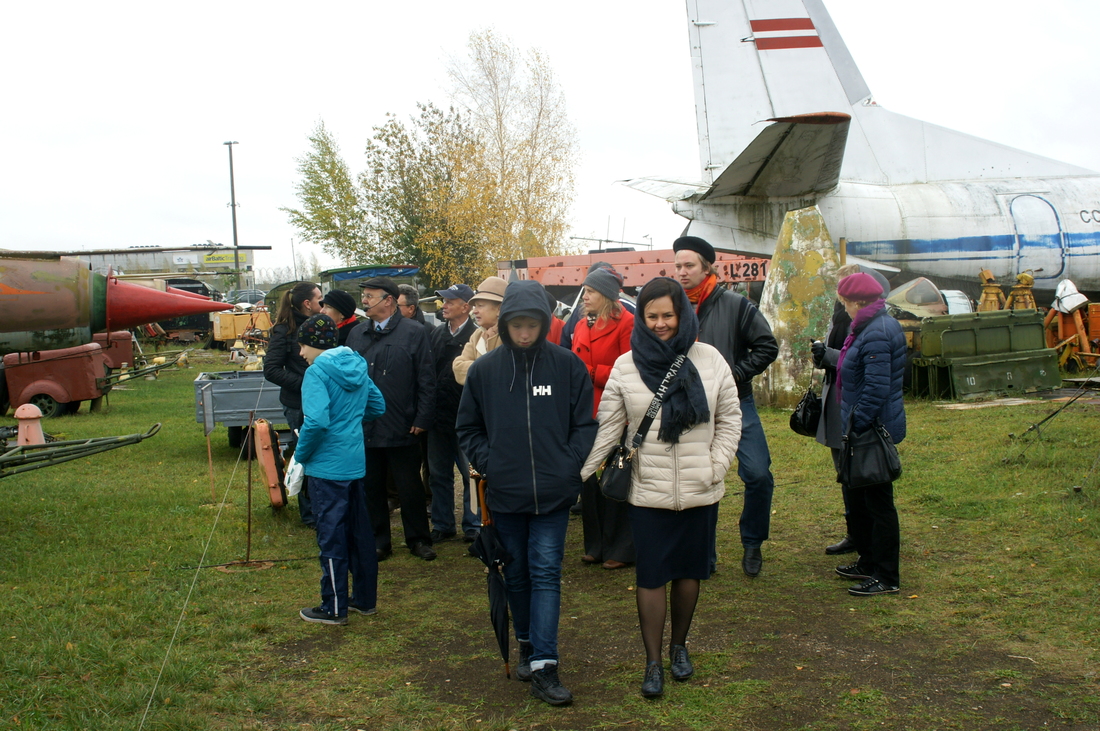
108, 625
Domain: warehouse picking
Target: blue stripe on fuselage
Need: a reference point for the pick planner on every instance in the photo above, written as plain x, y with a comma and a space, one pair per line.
969, 248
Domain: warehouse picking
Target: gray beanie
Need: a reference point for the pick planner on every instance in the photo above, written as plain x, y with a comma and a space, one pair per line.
603, 282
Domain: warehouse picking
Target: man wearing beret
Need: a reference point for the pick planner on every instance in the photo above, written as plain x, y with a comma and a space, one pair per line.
399, 358
444, 453
736, 327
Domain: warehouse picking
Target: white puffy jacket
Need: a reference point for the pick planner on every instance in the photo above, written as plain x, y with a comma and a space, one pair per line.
678, 476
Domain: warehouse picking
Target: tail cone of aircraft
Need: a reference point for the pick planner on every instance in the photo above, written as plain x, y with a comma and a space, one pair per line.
129, 305
798, 301
49, 304
185, 293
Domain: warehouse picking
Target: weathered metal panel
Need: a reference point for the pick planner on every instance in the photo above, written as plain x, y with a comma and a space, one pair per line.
235, 395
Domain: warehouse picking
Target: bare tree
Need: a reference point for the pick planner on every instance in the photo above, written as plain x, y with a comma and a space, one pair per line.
518, 109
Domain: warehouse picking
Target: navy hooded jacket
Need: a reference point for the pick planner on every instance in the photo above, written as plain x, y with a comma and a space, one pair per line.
525, 419
872, 376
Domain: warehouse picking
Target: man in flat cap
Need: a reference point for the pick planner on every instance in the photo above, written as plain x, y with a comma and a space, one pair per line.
399, 359
736, 327
444, 454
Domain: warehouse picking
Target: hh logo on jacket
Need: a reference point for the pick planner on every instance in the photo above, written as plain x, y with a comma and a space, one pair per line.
540, 390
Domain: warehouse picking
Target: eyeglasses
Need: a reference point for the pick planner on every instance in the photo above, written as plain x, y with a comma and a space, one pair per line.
379, 297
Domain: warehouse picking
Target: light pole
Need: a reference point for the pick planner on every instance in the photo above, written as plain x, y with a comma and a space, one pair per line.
233, 205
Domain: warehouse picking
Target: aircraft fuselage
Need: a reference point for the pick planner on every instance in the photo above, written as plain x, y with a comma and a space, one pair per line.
1049, 226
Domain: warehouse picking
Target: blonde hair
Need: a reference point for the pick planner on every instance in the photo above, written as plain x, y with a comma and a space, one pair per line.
609, 309
846, 270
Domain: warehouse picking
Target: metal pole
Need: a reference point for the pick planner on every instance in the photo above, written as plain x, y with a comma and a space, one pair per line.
233, 205
294, 257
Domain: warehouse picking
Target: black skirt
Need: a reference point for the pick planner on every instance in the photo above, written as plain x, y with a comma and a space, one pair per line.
672, 544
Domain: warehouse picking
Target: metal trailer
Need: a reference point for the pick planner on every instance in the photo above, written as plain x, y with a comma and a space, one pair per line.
235, 398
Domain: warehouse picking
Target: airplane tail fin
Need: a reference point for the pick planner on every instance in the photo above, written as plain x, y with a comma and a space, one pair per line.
754, 61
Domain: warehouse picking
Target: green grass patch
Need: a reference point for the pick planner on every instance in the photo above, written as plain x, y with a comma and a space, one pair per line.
996, 626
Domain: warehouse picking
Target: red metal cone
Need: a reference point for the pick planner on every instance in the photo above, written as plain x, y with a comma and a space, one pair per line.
185, 293
129, 305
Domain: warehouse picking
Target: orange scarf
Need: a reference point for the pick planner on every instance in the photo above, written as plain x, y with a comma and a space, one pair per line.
696, 295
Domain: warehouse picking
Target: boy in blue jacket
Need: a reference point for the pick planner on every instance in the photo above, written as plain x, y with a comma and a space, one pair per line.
337, 397
525, 423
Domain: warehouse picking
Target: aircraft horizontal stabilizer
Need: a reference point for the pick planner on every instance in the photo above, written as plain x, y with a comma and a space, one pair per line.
667, 188
795, 156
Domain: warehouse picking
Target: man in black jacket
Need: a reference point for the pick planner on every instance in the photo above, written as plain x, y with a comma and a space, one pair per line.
736, 327
400, 363
525, 421
444, 454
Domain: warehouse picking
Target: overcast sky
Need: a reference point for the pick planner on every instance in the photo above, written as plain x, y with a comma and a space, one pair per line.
115, 113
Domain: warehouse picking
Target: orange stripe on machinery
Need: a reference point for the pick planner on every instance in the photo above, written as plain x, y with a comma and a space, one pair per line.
636, 267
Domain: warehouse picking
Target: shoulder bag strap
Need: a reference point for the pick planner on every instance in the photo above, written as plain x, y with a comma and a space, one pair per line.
655, 405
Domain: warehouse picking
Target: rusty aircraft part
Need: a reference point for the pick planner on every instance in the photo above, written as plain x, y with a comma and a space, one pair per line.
637, 267
25, 458
49, 304
266, 442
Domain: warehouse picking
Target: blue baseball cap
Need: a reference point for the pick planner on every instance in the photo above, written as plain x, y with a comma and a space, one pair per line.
456, 292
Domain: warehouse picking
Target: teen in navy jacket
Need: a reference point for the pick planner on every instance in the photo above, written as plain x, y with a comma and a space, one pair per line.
525, 423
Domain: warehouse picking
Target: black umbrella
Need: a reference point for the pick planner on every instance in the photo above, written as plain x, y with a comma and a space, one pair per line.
490, 550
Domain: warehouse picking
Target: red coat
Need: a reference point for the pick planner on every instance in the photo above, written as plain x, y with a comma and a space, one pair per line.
600, 348
556, 326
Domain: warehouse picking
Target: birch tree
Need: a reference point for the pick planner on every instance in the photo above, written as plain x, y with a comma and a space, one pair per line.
518, 110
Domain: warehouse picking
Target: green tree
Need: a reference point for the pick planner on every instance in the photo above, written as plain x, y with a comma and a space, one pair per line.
427, 197
331, 212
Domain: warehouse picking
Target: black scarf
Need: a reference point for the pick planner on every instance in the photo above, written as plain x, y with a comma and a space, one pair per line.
685, 402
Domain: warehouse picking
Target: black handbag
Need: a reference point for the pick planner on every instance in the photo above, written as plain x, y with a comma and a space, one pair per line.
870, 458
807, 414
619, 466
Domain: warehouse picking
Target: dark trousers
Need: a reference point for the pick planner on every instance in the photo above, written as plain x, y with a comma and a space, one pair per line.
873, 526
444, 455
346, 541
607, 534
403, 463
843, 492
295, 420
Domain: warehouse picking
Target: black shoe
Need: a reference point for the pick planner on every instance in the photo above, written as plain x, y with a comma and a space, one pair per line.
383, 553
361, 610
546, 687
752, 561
423, 550
575, 508
853, 571
844, 545
653, 684
319, 616
872, 587
439, 536
471, 535
680, 663
523, 669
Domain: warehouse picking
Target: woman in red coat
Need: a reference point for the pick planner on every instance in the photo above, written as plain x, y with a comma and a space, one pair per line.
599, 339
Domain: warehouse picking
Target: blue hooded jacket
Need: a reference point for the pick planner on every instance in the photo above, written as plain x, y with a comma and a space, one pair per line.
525, 419
337, 397
872, 377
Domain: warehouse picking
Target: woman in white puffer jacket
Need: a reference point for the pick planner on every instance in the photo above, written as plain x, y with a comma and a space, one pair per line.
680, 469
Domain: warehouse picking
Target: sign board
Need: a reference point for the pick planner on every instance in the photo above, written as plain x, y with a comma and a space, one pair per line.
222, 257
